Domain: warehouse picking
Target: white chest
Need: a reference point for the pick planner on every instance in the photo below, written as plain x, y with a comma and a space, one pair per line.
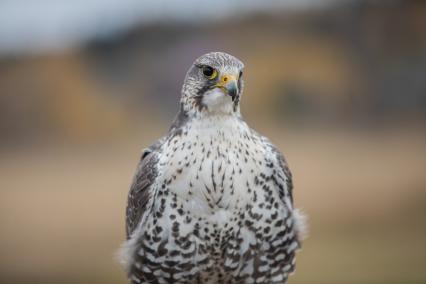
212, 165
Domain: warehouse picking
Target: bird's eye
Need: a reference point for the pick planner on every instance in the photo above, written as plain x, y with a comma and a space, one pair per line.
209, 72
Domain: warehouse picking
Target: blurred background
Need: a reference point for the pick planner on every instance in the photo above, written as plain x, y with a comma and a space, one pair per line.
339, 86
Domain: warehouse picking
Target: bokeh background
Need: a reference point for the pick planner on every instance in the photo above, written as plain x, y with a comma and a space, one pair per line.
339, 86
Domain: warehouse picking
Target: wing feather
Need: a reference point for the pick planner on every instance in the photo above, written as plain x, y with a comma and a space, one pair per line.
285, 169
139, 193
300, 221
284, 183
146, 173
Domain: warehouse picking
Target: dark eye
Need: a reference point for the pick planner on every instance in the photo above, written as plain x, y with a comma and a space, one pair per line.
209, 72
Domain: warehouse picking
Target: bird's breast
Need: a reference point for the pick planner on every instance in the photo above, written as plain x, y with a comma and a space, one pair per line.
211, 167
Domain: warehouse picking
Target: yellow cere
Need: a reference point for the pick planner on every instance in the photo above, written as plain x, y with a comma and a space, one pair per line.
226, 79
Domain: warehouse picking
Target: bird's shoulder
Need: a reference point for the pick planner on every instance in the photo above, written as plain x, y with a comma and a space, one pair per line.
146, 174
139, 193
270, 148
279, 160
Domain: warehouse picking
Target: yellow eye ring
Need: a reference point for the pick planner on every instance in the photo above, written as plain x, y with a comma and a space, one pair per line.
209, 72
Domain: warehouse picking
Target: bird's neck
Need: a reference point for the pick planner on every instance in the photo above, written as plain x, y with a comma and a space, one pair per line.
216, 121
209, 106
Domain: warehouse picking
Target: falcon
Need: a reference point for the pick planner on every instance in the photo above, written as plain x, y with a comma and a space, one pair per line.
211, 201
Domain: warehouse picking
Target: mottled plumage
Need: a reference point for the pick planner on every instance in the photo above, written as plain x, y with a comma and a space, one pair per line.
211, 202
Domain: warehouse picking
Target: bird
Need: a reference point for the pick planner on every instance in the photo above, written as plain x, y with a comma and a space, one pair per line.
211, 201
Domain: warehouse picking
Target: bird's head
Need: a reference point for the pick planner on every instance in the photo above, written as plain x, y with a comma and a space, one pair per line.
213, 84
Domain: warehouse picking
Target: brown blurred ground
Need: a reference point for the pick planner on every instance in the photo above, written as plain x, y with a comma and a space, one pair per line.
341, 91
62, 210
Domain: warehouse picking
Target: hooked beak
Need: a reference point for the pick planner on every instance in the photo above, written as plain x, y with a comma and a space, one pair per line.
228, 84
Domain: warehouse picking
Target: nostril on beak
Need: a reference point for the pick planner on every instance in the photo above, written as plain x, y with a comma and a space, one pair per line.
225, 78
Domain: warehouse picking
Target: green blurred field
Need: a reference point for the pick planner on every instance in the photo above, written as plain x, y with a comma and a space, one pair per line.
62, 208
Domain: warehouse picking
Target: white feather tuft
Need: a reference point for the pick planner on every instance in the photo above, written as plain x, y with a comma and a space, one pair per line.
300, 222
125, 254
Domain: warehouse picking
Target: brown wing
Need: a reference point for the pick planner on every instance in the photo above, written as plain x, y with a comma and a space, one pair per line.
139, 193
